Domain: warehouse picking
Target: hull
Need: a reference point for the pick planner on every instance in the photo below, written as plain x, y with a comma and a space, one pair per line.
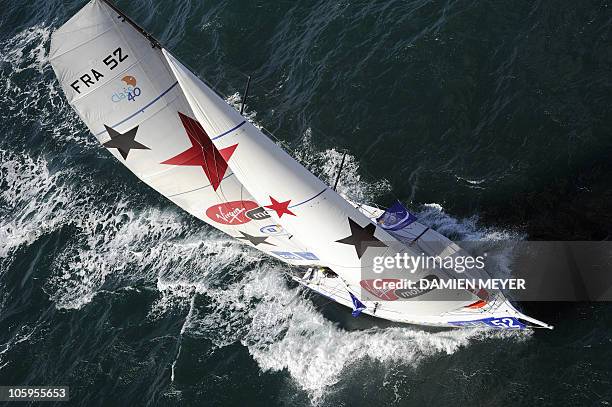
498, 312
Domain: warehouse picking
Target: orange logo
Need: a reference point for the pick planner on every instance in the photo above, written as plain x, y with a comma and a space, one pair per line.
129, 80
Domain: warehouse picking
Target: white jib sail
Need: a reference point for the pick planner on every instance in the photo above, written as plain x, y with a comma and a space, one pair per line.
338, 233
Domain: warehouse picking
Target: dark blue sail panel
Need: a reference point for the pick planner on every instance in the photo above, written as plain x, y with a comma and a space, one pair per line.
396, 217
357, 306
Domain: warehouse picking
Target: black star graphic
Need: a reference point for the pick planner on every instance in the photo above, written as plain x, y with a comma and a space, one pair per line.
124, 142
361, 237
254, 239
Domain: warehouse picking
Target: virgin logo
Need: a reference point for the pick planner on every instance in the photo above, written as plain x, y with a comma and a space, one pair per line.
231, 213
387, 295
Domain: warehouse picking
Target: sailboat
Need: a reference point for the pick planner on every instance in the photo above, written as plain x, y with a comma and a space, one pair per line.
177, 135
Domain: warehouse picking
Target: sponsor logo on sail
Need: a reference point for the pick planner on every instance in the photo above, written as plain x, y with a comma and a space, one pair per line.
258, 214
129, 92
391, 289
386, 294
273, 230
307, 255
288, 255
297, 255
412, 292
231, 213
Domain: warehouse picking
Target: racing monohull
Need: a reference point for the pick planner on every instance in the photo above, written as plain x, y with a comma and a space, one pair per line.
178, 136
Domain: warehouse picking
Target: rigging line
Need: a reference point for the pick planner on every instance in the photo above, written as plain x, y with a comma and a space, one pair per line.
419, 236
138, 28
197, 189
245, 95
362, 168
308, 293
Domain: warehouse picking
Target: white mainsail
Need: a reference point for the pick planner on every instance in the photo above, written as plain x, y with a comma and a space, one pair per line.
122, 88
338, 232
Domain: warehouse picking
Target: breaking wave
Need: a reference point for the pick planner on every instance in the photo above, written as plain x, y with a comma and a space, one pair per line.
298, 339
35, 200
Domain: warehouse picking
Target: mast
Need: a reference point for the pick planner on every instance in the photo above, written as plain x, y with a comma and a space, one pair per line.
339, 170
246, 94
126, 18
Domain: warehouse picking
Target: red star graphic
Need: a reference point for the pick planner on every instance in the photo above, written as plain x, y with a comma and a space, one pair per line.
203, 152
281, 208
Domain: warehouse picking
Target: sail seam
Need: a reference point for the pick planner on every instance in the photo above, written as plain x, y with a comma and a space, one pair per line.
55, 56
141, 110
229, 131
197, 189
308, 200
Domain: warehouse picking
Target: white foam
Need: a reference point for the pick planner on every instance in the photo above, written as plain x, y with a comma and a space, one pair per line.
27, 49
299, 340
115, 242
235, 100
30, 93
325, 165
22, 334
498, 244
466, 229
472, 183
254, 305
36, 200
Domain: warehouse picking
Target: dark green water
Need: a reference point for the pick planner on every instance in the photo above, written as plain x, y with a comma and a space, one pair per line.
489, 118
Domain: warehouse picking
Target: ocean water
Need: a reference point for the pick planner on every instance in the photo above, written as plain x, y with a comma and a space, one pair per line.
490, 119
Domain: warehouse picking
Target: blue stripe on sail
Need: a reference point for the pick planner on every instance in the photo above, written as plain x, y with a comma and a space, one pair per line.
230, 130
308, 200
141, 110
